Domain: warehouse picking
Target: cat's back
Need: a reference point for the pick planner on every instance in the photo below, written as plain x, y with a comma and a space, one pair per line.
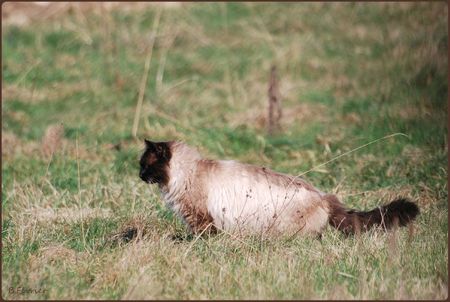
247, 196
232, 172
228, 171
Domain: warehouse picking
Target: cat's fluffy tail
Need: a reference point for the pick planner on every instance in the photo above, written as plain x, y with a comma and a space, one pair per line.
399, 212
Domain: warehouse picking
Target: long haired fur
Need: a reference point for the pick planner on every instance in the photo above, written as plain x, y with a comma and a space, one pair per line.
227, 195
399, 212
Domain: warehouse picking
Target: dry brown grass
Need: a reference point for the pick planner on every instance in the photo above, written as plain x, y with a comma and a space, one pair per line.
64, 215
52, 140
17, 13
299, 114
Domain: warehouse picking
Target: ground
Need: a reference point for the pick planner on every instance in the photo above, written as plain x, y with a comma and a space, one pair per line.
77, 222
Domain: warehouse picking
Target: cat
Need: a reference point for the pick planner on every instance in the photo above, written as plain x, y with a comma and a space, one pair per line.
226, 195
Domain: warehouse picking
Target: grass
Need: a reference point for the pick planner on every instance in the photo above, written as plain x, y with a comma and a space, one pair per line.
350, 73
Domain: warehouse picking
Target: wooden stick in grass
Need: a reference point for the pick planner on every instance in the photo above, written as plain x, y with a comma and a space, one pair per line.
274, 103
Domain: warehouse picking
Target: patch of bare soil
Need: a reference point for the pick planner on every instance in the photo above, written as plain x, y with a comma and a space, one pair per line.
134, 229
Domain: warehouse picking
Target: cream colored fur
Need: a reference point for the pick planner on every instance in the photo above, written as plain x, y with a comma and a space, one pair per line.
243, 198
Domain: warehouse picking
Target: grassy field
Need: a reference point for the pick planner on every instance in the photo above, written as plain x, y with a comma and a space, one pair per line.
77, 222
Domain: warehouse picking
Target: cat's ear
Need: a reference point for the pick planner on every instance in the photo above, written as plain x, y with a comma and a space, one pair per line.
162, 150
149, 144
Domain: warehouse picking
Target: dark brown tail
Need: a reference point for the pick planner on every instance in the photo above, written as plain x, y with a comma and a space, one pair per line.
397, 213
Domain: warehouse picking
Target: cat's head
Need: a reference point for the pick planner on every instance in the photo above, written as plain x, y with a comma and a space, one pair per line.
154, 163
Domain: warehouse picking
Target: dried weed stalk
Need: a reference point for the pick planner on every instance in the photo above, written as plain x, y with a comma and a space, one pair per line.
275, 112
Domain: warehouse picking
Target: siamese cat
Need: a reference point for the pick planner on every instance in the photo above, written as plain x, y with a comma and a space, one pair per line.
226, 195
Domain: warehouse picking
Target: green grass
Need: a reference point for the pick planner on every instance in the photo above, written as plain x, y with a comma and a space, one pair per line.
350, 73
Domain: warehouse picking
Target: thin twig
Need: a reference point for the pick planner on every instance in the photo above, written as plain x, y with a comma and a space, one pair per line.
79, 192
24, 75
172, 119
223, 231
346, 275
347, 153
195, 240
162, 64
145, 75
274, 102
